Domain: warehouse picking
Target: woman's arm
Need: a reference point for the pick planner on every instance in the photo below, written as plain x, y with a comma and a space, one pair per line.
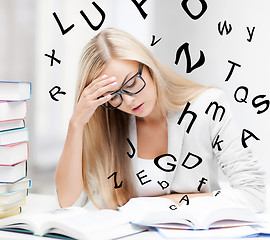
68, 175
244, 173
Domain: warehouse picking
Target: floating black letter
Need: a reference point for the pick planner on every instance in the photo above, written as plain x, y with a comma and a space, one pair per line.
63, 31
132, 148
115, 183
232, 68
199, 161
161, 184
173, 166
185, 198
189, 68
153, 40
221, 30
246, 138
216, 143
141, 177
185, 111
139, 6
241, 99
216, 110
250, 34
266, 102
58, 91
102, 13
194, 17
202, 181
53, 58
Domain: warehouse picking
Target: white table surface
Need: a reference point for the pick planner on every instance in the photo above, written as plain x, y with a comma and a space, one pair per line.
37, 203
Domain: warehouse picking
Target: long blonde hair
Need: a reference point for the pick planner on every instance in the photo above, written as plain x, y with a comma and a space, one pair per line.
104, 140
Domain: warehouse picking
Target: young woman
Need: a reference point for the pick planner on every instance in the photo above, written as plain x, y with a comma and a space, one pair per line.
140, 129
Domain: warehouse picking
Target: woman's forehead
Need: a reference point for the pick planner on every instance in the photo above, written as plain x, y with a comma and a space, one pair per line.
120, 67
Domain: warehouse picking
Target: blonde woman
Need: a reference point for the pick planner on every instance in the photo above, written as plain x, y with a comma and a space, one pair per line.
140, 129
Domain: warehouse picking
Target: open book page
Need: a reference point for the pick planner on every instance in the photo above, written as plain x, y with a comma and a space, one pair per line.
100, 224
74, 222
200, 213
34, 222
151, 210
210, 212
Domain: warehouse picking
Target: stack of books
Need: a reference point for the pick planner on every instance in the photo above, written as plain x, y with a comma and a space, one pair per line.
14, 150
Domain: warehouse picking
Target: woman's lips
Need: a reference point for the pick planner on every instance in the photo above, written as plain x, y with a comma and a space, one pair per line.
138, 109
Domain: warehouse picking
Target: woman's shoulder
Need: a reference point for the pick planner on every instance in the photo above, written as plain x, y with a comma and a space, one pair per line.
210, 96
211, 93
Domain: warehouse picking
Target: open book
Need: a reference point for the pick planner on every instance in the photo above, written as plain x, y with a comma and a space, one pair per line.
200, 213
72, 222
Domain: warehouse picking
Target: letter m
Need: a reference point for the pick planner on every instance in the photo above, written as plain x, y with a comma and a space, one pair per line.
217, 108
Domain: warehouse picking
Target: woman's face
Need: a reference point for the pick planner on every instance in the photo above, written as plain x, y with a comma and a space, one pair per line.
140, 104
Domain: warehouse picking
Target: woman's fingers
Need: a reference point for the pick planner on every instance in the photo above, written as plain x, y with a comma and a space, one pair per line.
99, 83
93, 96
102, 100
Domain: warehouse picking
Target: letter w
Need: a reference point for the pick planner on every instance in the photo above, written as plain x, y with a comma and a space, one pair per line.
224, 27
190, 68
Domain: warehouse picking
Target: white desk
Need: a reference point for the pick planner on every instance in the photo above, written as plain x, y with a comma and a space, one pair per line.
37, 203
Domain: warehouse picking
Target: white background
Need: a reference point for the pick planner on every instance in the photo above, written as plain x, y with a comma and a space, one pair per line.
28, 30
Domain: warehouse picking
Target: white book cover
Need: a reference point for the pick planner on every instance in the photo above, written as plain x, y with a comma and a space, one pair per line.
12, 110
14, 136
9, 125
14, 153
15, 91
10, 174
17, 186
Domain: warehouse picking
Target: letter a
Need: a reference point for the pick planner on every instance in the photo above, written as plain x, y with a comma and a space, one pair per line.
185, 198
246, 138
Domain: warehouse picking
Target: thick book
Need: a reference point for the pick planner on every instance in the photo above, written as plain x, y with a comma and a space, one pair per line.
18, 203
200, 213
11, 197
14, 136
19, 185
13, 153
73, 222
15, 91
14, 173
12, 110
9, 125
10, 212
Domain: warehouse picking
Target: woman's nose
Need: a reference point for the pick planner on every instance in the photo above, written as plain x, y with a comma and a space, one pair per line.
128, 99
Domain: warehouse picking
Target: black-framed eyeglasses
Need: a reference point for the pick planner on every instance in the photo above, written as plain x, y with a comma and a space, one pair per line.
131, 87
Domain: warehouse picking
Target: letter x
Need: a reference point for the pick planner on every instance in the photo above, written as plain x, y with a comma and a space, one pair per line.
53, 58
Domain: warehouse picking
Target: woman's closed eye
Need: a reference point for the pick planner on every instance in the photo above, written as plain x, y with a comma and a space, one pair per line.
131, 83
